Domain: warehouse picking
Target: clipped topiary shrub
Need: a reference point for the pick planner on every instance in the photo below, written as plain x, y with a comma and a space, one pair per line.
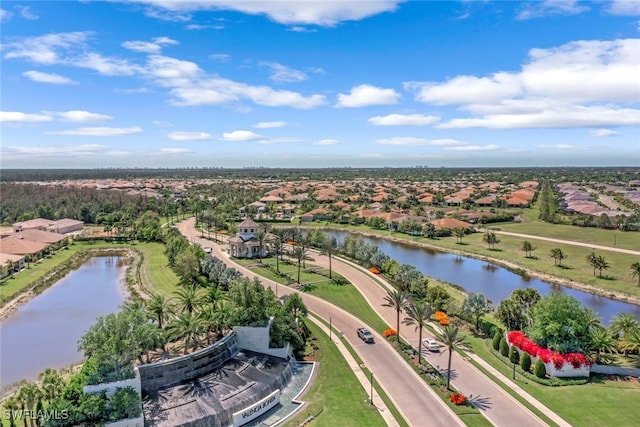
514, 356
497, 336
504, 347
525, 362
539, 369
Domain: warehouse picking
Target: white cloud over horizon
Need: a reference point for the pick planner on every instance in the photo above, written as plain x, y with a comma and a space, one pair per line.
189, 136
403, 120
99, 131
365, 95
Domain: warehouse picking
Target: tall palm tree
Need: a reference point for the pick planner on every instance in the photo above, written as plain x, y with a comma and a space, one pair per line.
558, 255
459, 233
29, 395
213, 296
52, 383
159, 308
209, 319
450, 337
491, 239
329, 248
299, 253
188, 299
186, 327
397, 300
11, 405
631, 341
635, 271
277, 247
622, 324
418, 314
527, 247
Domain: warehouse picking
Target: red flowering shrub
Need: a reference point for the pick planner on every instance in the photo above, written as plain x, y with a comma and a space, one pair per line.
520, 340
390, 332
444, 322
458, 399
374, 270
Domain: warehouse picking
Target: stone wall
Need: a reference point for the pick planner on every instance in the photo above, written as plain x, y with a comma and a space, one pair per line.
257, 339
615, 370
112, 387
161, 374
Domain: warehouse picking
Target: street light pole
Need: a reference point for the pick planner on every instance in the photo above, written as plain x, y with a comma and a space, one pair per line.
329, 328
371, 379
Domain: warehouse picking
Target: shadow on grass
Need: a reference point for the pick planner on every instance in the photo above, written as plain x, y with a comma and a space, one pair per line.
480, 402
606, 277
564, 267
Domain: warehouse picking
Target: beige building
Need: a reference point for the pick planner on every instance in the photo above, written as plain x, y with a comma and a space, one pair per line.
246, 244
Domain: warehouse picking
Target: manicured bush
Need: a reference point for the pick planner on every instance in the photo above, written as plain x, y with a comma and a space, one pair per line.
525, 362
514, 356
497, 336
504, 347
539, 369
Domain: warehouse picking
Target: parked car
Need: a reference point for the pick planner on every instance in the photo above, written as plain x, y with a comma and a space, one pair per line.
431, 345
365, 335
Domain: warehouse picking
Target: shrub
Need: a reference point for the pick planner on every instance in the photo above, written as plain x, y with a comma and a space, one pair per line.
514, 356
504, 347
497, 336
389, 332
539, 369
525, 362
458, 399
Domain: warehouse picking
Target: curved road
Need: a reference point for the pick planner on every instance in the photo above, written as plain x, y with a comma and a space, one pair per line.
418, 403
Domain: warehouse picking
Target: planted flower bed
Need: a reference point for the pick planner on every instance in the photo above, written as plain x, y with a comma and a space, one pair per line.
556, 364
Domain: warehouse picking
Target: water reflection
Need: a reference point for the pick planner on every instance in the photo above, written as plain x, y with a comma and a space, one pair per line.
44, 332
495, 282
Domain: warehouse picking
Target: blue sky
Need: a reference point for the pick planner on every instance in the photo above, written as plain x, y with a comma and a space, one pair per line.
150, 83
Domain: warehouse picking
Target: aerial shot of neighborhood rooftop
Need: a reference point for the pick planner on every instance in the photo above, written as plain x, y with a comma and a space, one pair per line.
298, 213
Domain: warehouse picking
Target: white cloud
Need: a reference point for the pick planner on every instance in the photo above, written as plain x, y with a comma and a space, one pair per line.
50, 151
100, 131
5, 16
624, 7
284, 139
241, 135
561, 147
132, 91
365, 95
19, 117
173, 150
189, 136
149, 47
600, 133
403, 120
326, 142
108, 66
79, 116
26, 13
489, 147
413, 141
270, 125
327, 13
222, 57
47, 49
204, 27
551, 7
283, 74
573, 85
299, 29
53, 78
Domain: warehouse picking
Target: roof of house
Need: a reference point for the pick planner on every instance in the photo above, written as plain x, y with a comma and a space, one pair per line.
5, 258
39, 236
449, 223
34, 223
248, 223
11, 245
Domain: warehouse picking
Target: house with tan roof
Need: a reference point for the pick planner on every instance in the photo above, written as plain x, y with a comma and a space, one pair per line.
246, 242
450, 223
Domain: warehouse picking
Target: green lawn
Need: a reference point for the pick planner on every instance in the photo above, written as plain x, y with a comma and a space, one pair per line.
613, 403
336, 396
155, 272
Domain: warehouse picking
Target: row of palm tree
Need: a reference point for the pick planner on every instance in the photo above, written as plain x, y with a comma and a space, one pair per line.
29, 397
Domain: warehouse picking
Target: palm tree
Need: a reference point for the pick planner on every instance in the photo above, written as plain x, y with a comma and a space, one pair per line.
187, 327
262, 233
459, 233
527, 247
635, 271
159, 307
622, 324
277, 246
209, 319
11, 405
29, 395
491, 239
418, 314
631, 341
450, 337
329, 247
299, 253
398, 301
188, 299
601, 341
592, 260
52, 383
213, 296
558, 255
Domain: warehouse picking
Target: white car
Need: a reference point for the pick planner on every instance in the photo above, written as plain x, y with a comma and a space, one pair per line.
431, 345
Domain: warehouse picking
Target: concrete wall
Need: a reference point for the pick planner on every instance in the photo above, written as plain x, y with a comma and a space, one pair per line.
111, 388
615, 370
129, 422
160, 374
257, 339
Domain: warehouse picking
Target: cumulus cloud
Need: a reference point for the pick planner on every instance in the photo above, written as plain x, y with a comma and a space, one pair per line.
283, 74
189, 136
624, 7
581, 83
326, 14
154, 46
601, 133
99, 131
403, 120
52, 78
413, 141
270, 125
561, 147
241, 135
20, 117
544, 8
47, 49
27, 13
365, 95
52, 151
79, 116
327, 141
489, 147
173, 150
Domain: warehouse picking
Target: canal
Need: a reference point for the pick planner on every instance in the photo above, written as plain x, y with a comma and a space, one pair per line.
44, 332
495, 282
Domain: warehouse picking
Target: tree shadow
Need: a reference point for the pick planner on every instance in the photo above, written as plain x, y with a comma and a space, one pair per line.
309, 288
606, 277
564, 267
481, 403
532, 257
